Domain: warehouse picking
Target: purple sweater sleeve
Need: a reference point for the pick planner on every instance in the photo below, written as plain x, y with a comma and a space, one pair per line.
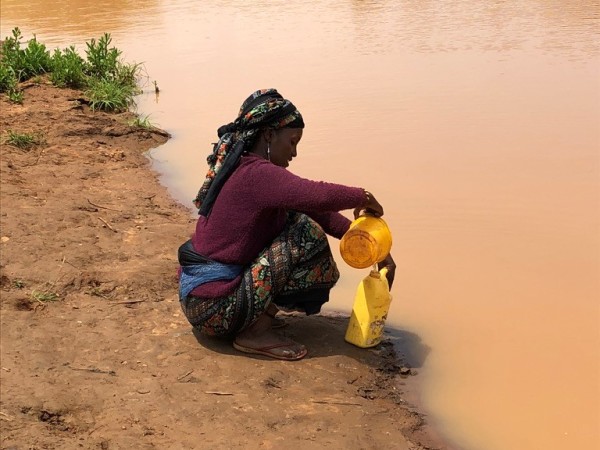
333, 223
280, 188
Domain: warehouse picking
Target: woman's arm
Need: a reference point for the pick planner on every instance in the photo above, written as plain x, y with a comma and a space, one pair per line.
275, 187
333, 223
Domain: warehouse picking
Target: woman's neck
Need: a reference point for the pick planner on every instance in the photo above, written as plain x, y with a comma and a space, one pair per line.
260, 150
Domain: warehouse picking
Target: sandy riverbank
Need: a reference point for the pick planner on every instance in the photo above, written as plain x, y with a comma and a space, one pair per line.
111, 363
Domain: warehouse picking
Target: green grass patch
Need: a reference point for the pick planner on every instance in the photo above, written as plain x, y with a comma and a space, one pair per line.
142, 122
109, 95
44, 296
15, 96
23, 140
109, 82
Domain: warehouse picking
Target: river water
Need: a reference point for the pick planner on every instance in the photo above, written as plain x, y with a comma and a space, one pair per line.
477, 126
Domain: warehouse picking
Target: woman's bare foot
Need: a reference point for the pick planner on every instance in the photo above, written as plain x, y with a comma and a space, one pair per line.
261, 340
276, 322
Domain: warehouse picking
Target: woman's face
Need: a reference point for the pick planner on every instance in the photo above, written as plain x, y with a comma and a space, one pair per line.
283, 145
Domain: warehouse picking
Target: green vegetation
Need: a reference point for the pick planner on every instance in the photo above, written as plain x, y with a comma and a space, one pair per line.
15, 96
23, 140
44, 297
68, 69
103, 62
109, 83
142, 122
108, 95
26, 62
8, 78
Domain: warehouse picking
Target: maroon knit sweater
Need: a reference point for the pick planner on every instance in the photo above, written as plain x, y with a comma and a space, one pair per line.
250, 212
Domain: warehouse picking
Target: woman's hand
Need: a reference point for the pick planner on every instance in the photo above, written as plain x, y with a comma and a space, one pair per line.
391, 267
371, 206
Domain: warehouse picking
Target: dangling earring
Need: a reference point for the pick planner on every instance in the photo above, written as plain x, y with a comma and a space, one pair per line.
269, 151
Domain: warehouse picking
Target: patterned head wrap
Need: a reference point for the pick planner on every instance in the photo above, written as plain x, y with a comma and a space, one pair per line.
265, 108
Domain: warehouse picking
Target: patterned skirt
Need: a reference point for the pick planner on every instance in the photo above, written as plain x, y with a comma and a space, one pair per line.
295, 272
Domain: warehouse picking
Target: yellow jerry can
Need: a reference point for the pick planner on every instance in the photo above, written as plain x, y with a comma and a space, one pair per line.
370, 310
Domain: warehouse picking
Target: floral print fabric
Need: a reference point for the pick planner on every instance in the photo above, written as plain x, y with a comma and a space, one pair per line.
297, 265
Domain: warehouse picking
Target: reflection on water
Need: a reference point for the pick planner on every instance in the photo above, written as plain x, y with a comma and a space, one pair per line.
68, 19
477, 124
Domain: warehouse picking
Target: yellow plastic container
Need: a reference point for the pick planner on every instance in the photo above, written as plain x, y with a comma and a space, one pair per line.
367, 242
370, 310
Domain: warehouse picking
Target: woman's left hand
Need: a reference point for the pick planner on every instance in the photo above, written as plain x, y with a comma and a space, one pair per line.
389, 263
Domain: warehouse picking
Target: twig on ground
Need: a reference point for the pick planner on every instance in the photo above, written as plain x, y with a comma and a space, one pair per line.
181, 377
335, 402
93, 370
60, 274
38, 157
94, 429
270, 382
72, 265
106, 223
218, 393
102, 207
6, 417
128, 302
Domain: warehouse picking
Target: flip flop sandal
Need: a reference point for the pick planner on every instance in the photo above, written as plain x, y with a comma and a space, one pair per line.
265, 351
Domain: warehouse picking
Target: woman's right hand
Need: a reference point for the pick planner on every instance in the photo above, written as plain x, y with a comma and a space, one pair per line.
388, 263
371, 206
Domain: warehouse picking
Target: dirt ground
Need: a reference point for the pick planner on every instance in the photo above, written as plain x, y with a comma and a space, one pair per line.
95, 352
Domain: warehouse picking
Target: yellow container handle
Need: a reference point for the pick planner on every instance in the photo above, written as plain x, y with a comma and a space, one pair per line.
381, 273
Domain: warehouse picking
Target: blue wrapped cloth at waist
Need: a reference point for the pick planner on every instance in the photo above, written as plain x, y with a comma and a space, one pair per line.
196, 275
197, 269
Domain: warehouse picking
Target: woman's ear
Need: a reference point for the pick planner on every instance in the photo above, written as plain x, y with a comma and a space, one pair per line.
268, 135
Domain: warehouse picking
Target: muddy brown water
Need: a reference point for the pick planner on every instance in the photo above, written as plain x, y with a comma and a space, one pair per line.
477, 125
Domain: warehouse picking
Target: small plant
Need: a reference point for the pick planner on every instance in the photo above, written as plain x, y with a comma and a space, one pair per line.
128, 74
15, 96
25, 63
102, 61
37, 59
8, 78
109, 95
44, 297
68, 69
23, 140
19, 284
12, 55
142, 122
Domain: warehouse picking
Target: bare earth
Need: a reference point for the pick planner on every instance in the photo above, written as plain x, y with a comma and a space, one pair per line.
111, 363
